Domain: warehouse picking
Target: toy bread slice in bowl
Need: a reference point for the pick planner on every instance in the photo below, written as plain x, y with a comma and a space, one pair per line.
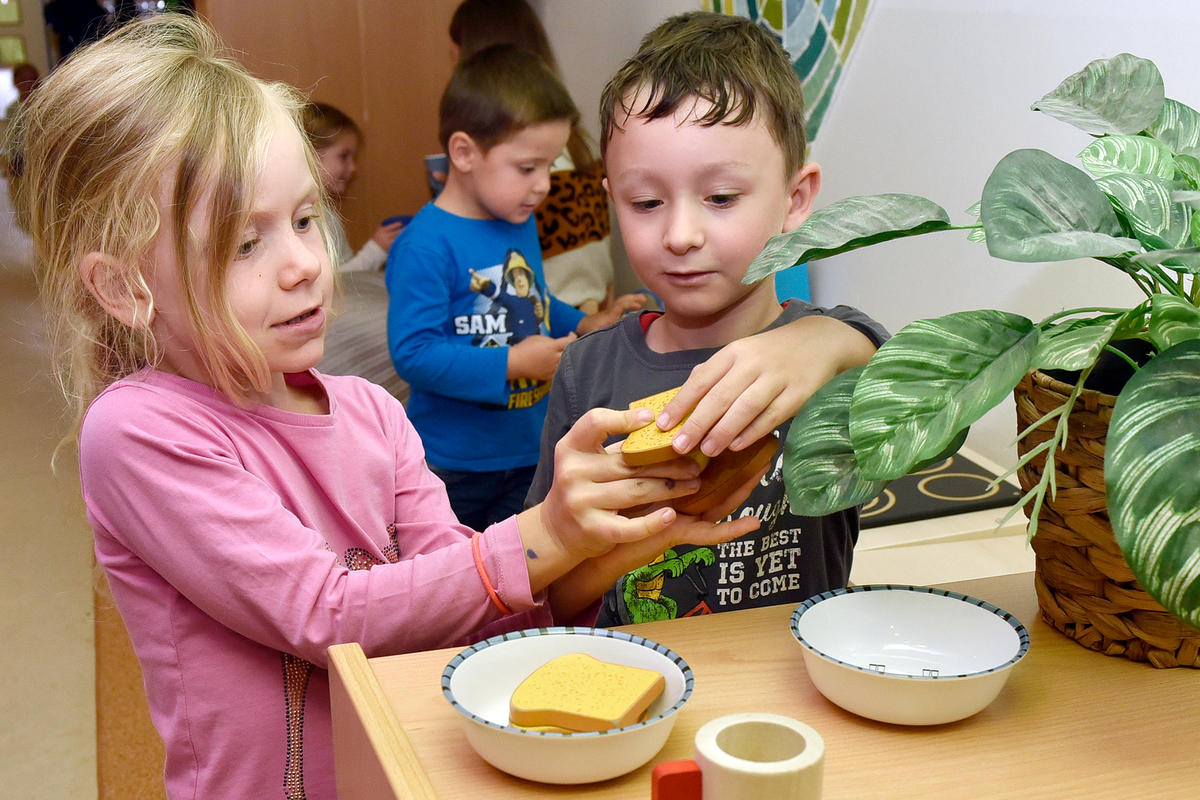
577, 692
720, 476
482, 684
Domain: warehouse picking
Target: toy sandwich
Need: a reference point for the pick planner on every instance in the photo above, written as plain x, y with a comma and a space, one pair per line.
576, 693
719, 476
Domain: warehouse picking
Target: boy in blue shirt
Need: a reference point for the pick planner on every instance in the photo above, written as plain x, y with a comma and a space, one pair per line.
471, 325
703, 145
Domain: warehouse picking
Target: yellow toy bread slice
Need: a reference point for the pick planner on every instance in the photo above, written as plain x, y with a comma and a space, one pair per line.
576, 692
648, 444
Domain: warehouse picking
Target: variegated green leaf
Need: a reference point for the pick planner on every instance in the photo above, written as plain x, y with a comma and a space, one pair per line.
1145, 203
820, 469
930, 381
1196, 228
1173, 321
1178, 127
1152, 476
1039, 208
1075, 345
976, 234
1187, 197
848, 225
1187, 171
1182, 259
1122, 94
1117, 154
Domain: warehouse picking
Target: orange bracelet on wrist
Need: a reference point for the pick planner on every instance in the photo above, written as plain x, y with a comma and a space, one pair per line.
483, 576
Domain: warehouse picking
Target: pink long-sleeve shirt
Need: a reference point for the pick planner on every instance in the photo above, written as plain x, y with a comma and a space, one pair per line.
241, 543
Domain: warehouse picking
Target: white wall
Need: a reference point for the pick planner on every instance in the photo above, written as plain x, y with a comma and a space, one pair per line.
592, 39
936, 93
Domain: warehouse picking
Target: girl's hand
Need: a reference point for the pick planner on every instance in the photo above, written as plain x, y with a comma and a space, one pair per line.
580, 516
578, 540
384, 235
571, 594
753, 385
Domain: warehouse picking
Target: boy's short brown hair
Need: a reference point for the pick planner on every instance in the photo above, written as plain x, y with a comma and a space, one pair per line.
733, 63
498, 92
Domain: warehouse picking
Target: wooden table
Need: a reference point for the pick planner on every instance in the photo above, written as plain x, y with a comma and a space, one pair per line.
1069, 723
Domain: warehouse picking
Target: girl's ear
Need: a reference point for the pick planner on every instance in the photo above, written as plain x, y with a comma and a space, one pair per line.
462, 151
126, 300
802, 192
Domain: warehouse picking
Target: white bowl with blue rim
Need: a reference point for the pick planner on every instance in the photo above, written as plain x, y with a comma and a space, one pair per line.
909, 655
480, 680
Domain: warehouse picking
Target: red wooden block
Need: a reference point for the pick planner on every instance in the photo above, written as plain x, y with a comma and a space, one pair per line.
675, 780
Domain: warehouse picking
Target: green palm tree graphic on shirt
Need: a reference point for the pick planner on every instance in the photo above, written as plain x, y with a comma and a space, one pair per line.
642, 588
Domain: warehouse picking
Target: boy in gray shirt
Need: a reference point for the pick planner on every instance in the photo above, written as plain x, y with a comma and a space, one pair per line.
703, 140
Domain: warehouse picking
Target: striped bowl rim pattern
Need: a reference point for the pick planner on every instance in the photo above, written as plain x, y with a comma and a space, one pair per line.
1022, 633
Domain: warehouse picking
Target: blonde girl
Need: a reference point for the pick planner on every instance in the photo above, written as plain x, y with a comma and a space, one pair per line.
248, 510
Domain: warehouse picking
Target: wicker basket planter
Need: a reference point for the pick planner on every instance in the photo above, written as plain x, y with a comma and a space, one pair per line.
1085, 588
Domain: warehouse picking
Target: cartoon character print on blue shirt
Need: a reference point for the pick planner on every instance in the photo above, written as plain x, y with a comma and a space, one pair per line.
510, 294
512, 307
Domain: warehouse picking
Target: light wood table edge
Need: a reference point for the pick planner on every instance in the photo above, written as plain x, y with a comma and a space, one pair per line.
384, 764
1069, 724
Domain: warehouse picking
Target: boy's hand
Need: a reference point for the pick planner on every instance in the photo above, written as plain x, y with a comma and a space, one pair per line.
610, 313
536, 357
384, 235
751, 386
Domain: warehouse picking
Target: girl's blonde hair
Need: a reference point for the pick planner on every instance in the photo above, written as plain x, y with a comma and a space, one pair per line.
154, 112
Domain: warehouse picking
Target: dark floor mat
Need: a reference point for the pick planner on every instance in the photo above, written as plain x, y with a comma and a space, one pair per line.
954, 486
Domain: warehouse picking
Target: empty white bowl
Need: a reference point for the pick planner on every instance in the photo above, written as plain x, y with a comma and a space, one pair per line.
909, 655
480, 680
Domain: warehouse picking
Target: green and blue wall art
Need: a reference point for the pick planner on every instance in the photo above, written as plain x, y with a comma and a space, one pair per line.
818, 34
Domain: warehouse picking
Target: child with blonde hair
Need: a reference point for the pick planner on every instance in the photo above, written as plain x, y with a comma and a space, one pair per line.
248, 510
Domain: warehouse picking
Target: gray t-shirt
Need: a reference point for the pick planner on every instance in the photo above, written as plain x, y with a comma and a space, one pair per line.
787, 560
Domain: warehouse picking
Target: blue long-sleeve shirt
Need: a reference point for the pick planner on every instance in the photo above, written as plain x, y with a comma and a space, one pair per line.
449, 337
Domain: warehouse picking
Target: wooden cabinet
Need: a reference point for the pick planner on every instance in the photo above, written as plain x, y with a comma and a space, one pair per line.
384, 63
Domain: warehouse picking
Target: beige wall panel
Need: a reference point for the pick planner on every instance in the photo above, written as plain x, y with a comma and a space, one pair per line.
383, 62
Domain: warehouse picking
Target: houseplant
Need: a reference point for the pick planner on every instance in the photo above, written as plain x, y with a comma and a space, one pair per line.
1133, 207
